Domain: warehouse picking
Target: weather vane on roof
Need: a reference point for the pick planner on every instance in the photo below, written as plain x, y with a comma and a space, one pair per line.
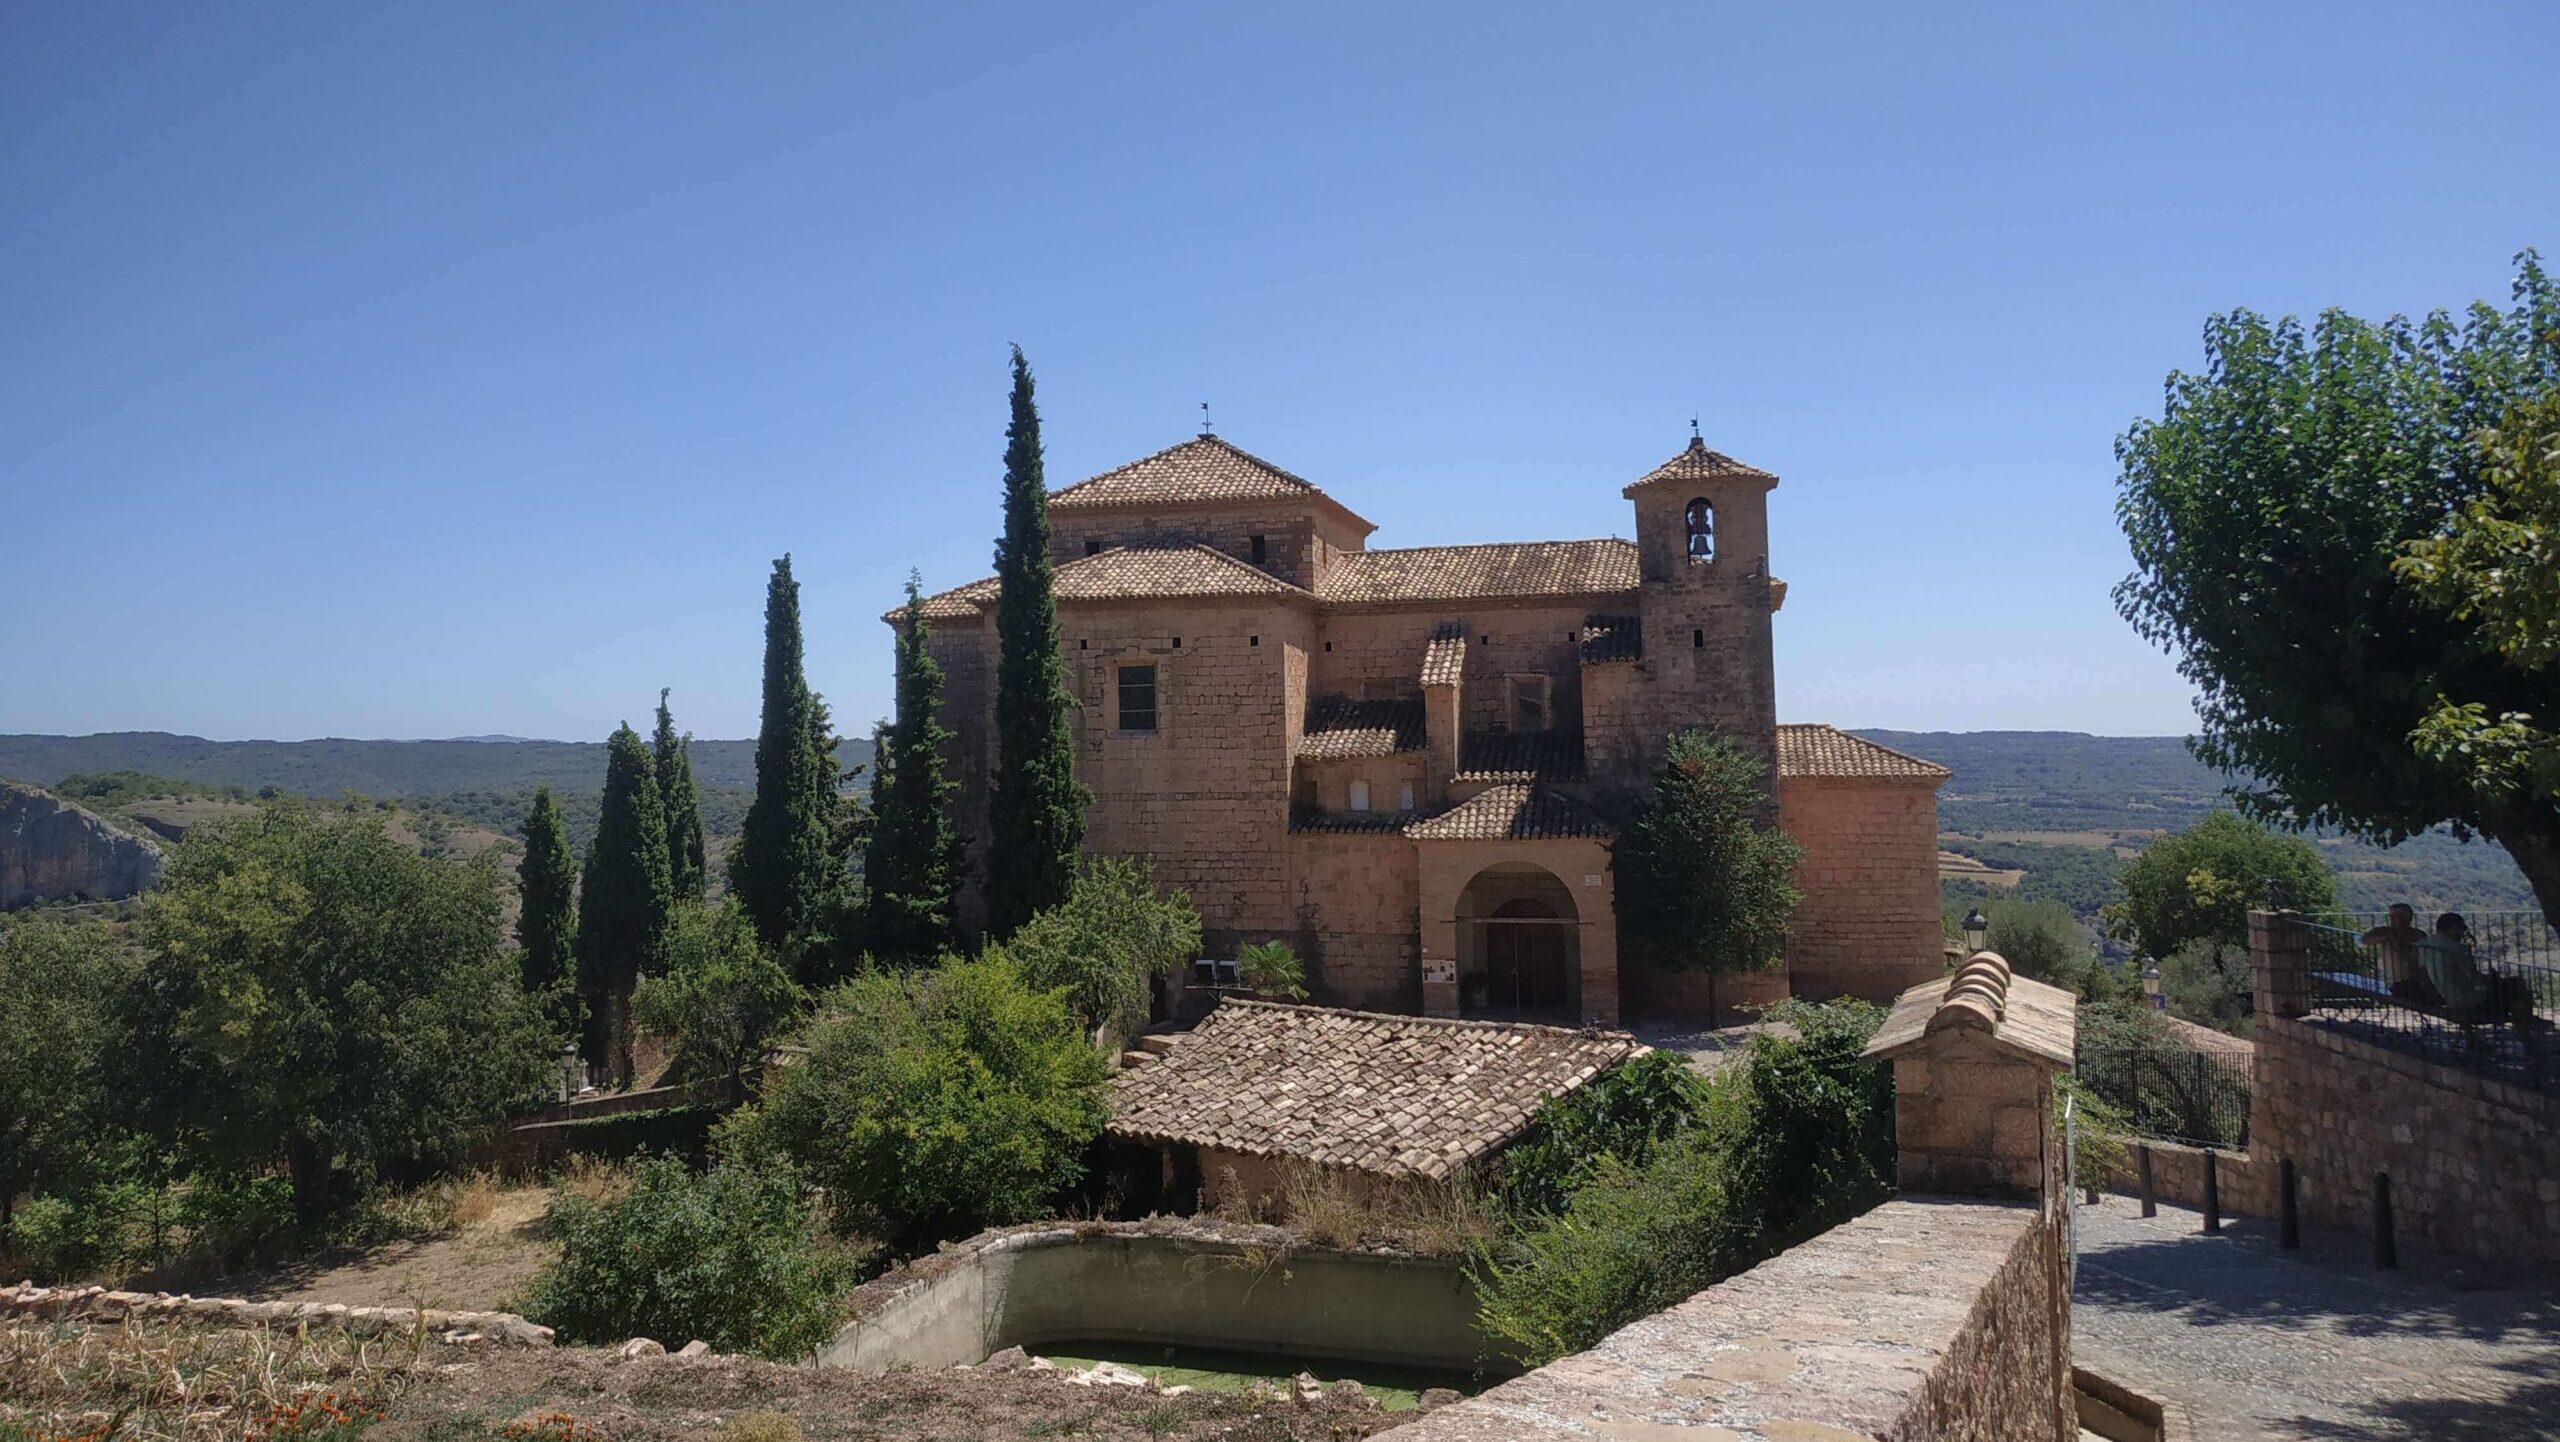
1693, 430
1206, 429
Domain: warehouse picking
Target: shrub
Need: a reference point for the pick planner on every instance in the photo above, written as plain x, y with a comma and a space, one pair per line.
1794, 1140
1624, 1115
723, 995
1106, 944
730, 1256
1273, 970
932, 1104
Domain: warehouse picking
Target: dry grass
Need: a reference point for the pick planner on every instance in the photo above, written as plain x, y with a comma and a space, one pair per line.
1332, 1207
599, 1182
156, 1382
759, 1427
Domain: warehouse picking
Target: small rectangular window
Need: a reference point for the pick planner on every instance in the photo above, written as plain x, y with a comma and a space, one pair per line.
1253, 640
1528, 703
1698, 639
1404, 797
1359, 795
1177, 643
1137, 698
1093, 548
1261, 549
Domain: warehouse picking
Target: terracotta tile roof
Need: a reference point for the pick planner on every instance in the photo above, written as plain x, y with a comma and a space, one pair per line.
1125, 573
1444, 660
1406, 1096
1137, 573
1513, 811
1202, 469
1515, 756
1338, 728
2023, 1017
1458, 573
959, 601
1814, 750
1353, 823
1696, 463
1611, 638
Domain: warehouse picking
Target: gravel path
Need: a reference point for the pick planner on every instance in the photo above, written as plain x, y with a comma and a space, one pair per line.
2265, 1344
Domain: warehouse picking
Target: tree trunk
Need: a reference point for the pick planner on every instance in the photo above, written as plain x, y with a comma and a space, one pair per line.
2533, 839
625, 1071
308, 1162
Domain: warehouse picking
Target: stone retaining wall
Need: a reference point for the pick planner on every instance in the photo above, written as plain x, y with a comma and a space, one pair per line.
2474, 1162
1926, 1318
2242, 1186
98, 1304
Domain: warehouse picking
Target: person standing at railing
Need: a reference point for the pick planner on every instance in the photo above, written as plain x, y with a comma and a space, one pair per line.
2395, 948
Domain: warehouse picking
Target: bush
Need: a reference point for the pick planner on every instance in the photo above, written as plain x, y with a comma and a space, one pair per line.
933, 1104
730, 1256
1106, 944
1273, 970
723, 995
1623, 1115
1795, 1140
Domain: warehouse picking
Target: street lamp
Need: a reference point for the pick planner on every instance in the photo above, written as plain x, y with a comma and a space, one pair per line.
2151, 986
1977, 930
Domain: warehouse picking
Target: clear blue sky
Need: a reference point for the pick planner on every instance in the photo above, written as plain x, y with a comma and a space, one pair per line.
443, 368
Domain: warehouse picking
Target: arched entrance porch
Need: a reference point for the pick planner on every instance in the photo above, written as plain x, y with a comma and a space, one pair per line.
1519, 946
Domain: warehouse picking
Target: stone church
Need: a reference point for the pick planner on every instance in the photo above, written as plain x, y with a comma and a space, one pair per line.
1401, 761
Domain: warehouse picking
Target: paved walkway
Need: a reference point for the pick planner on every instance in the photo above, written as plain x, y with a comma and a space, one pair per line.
2260, 1343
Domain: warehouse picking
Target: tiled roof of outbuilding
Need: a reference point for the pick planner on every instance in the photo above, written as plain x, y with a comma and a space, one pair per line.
1444, 660
1696, 463
1611, 638
1513, 811
1202, 469
1503, 569
1339, 728
2024, 1017
1817, 750
1405, 1096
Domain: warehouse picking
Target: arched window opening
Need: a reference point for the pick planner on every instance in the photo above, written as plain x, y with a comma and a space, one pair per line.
1701, 522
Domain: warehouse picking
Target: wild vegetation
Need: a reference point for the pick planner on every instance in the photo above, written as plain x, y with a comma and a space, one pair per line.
1694, 1184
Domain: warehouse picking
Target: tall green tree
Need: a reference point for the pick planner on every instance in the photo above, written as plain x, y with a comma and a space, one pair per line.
547, 920
722, 997
319, 998
2187, 898
1703, 884
783, 868
672, 758
624, 901
2496, 568
2266, 508
59, 1068
1035, 812
914, 864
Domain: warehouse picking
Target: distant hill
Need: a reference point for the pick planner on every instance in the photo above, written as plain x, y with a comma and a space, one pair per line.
487, 781
2065, 807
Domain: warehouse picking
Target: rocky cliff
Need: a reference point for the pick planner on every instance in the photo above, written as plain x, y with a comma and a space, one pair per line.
51, 850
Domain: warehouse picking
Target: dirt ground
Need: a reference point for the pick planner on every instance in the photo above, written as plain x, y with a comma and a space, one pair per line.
478, 1268
667, 1398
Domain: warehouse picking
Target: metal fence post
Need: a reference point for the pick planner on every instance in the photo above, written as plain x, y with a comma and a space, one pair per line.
2386, 1248
2288, 1220
2212, 1195
2142, 1161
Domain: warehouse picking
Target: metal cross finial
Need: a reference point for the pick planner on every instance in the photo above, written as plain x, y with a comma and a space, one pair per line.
1206, 429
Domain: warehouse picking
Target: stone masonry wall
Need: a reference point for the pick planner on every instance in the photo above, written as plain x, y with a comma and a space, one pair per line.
1356, 922
1290, 546
2474, 1163
1207, 793
1868, 924
1377, 652
1927, 1318
2242, 1186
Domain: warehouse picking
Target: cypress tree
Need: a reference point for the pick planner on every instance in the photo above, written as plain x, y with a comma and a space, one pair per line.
547, 924
672, 758
1036, 808
782, 867
625, 899
913, 866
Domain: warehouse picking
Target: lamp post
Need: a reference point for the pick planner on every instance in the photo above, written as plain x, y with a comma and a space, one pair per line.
1977, 930
2151, 986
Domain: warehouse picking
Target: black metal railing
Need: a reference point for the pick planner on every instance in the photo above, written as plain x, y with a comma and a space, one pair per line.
2481, 992
2171, 1091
